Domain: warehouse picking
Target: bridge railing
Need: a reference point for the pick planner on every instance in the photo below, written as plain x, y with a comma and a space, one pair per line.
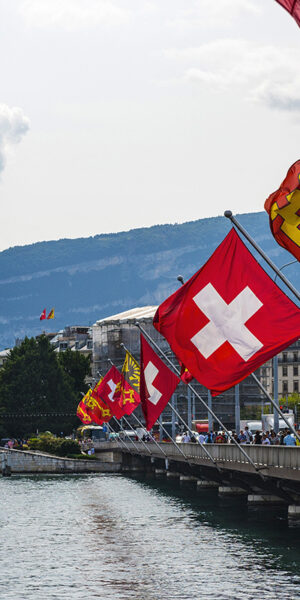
271, 456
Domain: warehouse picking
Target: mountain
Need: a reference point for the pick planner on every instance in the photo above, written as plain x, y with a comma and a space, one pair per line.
90, 278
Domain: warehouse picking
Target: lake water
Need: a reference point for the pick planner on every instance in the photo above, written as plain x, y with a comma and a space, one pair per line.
111, 537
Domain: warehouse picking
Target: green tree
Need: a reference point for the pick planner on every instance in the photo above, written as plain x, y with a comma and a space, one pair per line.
77, 366
33, 382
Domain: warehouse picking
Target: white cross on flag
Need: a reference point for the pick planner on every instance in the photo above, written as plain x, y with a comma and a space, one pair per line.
106, 391
228, 319
157, 384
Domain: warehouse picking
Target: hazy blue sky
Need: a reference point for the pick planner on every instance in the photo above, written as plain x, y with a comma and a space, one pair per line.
118, 114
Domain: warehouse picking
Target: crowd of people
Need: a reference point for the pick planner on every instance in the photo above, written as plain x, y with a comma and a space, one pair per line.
245, 436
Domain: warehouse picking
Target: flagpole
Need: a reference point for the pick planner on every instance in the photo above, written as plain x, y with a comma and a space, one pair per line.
151, 436
198, 396
122, 441
186, 458
184, 423
111, 362
275, 406
129, 425
119, 441
124, 431
228, 214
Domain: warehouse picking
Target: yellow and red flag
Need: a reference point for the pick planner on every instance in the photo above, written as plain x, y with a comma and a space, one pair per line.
293, 7
97, 409
283, 207
127, 392
51, 314
83, 414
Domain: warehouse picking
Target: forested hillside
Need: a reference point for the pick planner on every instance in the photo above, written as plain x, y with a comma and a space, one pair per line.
90, 278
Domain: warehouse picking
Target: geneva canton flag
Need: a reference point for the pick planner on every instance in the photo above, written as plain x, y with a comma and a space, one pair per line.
228, 319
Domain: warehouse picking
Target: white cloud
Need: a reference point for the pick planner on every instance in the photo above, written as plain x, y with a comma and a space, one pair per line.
265, 74
73, 14
13, 126
214, 14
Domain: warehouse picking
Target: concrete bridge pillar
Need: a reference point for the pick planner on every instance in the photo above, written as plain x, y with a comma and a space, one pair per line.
205, 484
264, 500
294, 514
173, 475
159, 472
5, 466
231, 491
188, 479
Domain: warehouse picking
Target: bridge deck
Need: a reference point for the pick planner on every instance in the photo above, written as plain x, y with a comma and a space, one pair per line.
274, 461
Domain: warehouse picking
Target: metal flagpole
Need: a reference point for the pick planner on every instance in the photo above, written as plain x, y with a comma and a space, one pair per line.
120, 442
124, 443
275, 406
129, 425
237, 408
151, 436
241, 449
276, 415
176, 413
230, 216
124, 431
135, 415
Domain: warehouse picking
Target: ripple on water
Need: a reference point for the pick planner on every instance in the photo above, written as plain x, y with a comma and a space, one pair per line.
116, 538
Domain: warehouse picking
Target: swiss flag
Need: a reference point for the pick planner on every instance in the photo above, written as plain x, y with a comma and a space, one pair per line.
106, 391
228, 319
157, 384
43, 315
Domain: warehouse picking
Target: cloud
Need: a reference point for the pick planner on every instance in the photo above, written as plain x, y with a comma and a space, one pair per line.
263, 73
208, 13
73, 14
13, 126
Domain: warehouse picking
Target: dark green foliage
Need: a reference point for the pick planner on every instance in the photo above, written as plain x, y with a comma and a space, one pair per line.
53, 445
77, 367
33, 381
82, 456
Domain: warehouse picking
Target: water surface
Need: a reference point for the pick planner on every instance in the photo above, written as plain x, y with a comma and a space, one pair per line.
111, 537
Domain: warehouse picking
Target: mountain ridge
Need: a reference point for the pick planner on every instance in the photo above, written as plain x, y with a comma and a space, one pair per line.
86, 279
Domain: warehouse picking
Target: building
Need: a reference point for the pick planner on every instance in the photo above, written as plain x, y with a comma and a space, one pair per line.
288, 372
73, 338
111, 333
3, 356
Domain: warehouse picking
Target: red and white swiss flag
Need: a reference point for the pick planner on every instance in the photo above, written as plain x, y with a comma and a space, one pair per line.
106, 391
157, 384
228, 319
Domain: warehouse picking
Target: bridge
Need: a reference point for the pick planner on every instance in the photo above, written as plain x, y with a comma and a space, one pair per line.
274, 478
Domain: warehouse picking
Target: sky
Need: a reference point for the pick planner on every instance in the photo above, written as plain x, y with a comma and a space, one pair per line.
118, 114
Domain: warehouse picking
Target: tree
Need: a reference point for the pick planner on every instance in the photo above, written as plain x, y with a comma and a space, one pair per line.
77, 366
33, 382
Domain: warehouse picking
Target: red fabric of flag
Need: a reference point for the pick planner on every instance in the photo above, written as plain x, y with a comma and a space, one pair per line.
228, 319
43, 315
83, 414
126, 396
157, 384
293, 7
185, 375
283, 207
97, 409
106, 391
